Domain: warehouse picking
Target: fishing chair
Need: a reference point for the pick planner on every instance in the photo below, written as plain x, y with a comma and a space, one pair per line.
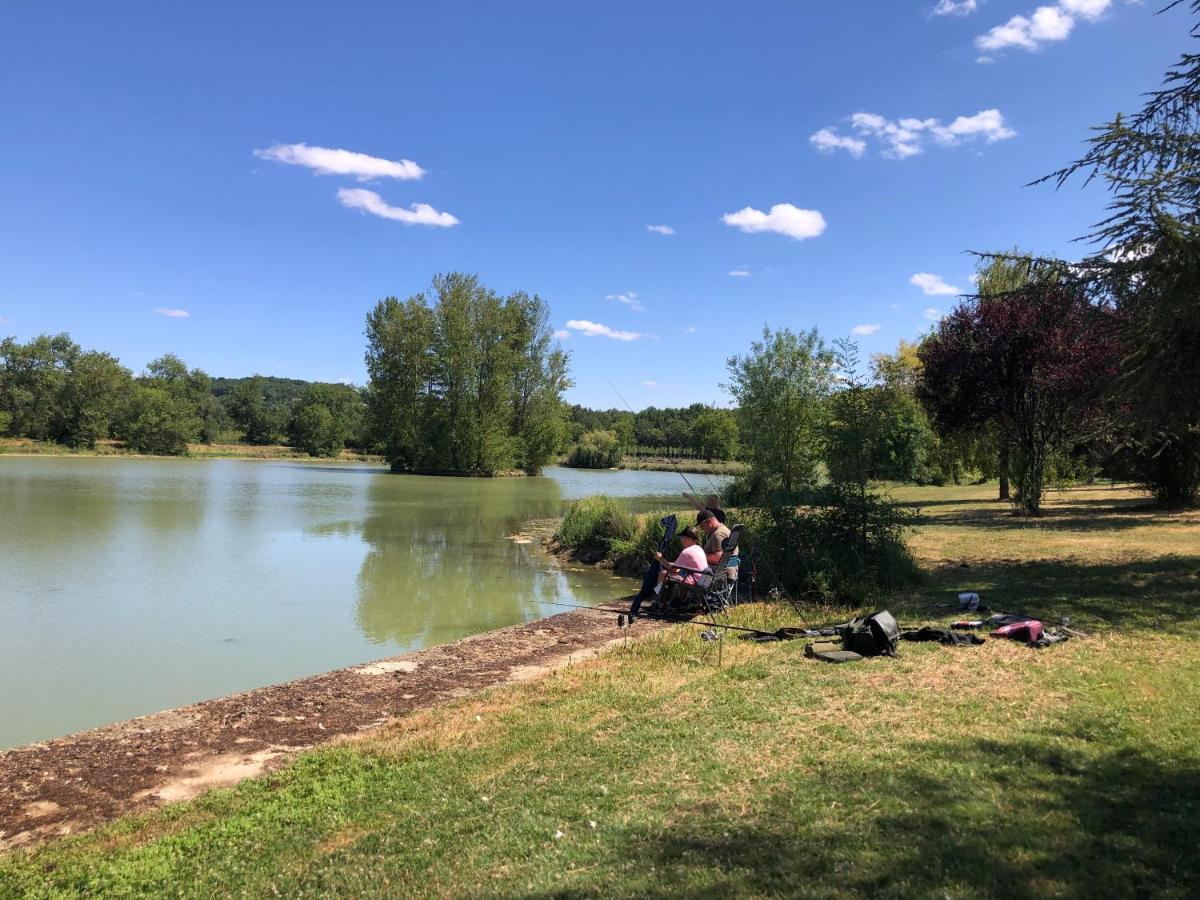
715, 590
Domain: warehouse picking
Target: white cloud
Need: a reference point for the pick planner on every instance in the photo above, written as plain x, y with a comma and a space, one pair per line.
953, 8
987, 123
595, 329
866, 329
932, 314
325, 161
1045, 25
4, 321
650, 384
418, 214
562, 335
827, 140
741, 272
691, 329
782, 219
933, 285
903, 138
893, 306
171, 313
1087, 9
660, 229
629, 298
984, 60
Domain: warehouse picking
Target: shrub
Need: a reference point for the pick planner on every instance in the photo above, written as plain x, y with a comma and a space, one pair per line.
315, 431
158, 422
596, 450
843, 547
594, 522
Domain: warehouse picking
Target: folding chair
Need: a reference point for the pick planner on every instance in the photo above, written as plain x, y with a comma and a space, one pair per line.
716, 589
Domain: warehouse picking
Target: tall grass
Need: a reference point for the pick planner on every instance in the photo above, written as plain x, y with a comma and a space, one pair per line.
603, 525
594, 522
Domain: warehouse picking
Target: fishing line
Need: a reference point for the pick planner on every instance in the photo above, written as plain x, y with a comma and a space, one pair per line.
668, 458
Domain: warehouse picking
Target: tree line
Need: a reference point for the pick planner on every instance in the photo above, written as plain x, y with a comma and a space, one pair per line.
51, 389
600, 438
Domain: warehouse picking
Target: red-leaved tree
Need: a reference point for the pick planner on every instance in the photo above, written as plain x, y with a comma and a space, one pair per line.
1030, 362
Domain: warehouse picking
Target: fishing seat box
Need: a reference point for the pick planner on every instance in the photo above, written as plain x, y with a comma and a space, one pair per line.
829, 651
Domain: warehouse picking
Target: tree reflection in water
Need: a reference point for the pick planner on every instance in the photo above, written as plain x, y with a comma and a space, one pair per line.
440, 564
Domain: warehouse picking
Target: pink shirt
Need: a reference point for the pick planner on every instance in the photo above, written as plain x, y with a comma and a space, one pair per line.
692, 558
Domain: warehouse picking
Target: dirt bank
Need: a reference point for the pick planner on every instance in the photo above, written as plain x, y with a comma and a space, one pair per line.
73, 783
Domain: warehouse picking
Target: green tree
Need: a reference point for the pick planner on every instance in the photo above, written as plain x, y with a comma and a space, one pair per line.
324, 418
261, 423
315, 431
781, 386
596, 450
1147, 267
625, 431
715, 434
32, 379
157, 421
469, 384
194, 387
400, 362
92, 396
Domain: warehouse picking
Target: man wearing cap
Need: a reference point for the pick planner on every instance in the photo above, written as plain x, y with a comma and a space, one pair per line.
712, 503
713, 549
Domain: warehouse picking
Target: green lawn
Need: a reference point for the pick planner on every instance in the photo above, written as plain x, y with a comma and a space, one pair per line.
1001, 770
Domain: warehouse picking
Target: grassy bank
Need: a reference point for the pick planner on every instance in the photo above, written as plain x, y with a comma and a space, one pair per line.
703, 467
1073, 771
27, 447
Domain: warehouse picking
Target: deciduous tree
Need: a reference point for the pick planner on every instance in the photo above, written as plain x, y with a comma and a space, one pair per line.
1030, 362
781, 386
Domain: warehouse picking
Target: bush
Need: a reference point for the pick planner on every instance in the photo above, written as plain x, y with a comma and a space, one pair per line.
603, 527
596, 450
594, 522
843, 548
158, 422
315, 431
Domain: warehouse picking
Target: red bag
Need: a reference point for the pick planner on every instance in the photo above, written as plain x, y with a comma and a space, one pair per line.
1028, 631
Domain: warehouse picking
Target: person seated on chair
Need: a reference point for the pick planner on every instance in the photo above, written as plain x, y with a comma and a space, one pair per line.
713, 544
712, 503
687, 564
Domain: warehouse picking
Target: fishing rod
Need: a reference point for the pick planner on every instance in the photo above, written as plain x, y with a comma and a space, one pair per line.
668, 458
783, 634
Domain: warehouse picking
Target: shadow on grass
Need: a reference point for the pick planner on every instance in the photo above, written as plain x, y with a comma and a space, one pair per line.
1102, 518
1113, 825
1156, 593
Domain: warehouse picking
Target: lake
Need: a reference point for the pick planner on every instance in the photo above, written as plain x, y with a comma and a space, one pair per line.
128, 585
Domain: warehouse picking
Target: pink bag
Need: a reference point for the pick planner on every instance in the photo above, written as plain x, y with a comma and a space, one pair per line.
1028, 631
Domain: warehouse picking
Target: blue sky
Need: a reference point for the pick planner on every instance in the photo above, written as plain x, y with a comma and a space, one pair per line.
829, 151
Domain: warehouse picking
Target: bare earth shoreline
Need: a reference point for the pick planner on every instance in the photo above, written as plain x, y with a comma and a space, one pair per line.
70, 784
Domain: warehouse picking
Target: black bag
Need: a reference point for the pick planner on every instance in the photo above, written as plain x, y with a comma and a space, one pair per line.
877, 635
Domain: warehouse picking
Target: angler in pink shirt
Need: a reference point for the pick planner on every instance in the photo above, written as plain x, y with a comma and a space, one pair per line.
690, 561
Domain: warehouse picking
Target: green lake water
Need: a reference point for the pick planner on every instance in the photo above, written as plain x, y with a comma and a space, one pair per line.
130, 586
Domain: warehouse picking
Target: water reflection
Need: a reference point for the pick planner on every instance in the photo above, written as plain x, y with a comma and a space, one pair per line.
440, 563
128, 586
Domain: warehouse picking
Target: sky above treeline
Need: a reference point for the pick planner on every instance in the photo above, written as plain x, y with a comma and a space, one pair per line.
238, 183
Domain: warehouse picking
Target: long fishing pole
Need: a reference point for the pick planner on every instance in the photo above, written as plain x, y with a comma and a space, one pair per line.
668, 458
781, 633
